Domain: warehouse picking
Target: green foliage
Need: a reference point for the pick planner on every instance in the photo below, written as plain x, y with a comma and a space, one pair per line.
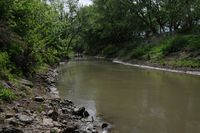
158, 51
178, 51
38, 32
176, 44
140, 51
33, 33
110, 51
6, 75
6, 94
4, 60
193, 42
50, 57
5, 66
107, 25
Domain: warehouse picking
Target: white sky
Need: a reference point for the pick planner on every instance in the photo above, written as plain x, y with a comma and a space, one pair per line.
85, 2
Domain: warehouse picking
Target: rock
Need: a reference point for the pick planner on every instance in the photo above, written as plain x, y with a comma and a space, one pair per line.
56, 124
5, 84
55, 130
64, 122
39, 99
104, 125
34, 115
66, 102
48, 122
16, 109
17, 104
12, 121
90, 127
9, 115
53, 90
69, 130
53, 114
79, 111
10, 130
43, 113
104, 131
30, 112
86, 114
25, 119
26, 82
94, 131
49, 113
1, 110
51, 77
65, 110
24, 88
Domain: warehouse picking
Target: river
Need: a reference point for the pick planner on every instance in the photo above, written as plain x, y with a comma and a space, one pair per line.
133, 100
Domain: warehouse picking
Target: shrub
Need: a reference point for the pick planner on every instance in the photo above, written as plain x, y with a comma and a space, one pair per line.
140, 51
194, 42
50, 57
5, 66
6, 94
110, 50
157, 52
176, 44
4, 60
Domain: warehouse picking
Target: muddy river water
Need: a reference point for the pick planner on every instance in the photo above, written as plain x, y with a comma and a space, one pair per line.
134, 100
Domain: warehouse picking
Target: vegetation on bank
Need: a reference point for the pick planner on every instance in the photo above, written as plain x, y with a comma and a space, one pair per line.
38, 33
177, 51
34, 34
166, 32
6, 94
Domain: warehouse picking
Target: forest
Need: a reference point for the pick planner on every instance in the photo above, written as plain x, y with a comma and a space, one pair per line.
38, 33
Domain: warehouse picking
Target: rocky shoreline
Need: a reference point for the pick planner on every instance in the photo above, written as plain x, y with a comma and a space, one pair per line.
43, 111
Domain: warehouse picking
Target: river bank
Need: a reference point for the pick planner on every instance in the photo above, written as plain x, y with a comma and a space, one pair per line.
42, 110
148, 65
153, 66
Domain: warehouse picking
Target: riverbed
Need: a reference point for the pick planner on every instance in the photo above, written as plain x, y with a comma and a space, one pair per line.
132, 99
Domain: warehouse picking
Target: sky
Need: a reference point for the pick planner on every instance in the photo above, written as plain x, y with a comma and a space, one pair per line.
85, 2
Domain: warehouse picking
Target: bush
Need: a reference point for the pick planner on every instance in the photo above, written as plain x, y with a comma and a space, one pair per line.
6, 94
157, 52
50, 57
140, 51
110, 50
194, 42
176, 44
4, 60
5, 66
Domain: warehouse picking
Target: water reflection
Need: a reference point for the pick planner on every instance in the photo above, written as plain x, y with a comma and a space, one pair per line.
135, 100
